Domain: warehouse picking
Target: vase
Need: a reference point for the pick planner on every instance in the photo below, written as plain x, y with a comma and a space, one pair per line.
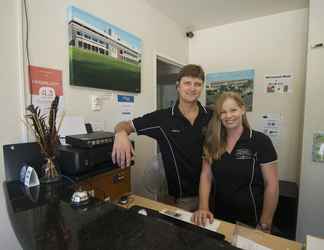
51, 173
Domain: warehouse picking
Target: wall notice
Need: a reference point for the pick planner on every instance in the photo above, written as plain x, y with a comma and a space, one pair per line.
45, 84
126, 107
270, 124
278, 83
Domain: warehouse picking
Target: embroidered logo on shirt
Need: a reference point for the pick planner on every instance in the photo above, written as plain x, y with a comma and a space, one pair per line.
175, 130
243, 154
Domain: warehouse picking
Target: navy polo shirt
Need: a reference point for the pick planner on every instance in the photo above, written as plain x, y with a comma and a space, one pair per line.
180, 144
238, 180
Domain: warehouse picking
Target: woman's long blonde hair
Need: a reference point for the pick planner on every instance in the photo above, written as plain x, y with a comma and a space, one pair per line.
216, 134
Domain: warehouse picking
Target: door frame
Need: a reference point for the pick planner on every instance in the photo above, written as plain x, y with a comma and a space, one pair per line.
167, 59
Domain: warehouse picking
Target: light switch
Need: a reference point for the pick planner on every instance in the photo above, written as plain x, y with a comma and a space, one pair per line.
95, 103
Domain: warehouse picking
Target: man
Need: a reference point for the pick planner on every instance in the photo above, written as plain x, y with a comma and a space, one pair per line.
179, 133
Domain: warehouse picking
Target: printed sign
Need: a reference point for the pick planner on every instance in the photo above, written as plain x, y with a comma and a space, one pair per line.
45, 84
278, 83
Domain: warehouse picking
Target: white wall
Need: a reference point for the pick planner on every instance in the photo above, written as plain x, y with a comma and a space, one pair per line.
311, 198
10, 126
48, 41
270, 45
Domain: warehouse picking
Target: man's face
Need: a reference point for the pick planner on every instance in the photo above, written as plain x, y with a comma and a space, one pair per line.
189, 88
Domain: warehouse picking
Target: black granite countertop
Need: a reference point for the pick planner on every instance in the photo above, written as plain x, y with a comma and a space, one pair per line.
42, 218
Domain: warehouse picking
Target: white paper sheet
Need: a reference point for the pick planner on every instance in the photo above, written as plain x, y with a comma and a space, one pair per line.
125, 108
186, 217
280, 83
248, 244
314, 243
270, 124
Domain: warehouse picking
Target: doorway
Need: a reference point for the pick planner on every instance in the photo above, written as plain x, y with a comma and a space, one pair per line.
166, 95
166, 77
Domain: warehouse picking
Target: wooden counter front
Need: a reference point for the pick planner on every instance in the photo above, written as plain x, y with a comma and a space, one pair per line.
110, 185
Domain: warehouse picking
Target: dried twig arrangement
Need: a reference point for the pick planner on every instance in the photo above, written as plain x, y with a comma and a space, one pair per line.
46, 133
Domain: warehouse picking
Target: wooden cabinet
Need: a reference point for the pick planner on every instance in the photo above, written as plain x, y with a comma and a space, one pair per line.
110, 185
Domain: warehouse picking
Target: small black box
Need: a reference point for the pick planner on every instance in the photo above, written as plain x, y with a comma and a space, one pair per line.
90, 140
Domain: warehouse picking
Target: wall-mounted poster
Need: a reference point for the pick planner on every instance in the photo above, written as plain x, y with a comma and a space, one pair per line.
278, 83
45, 83
126, 107
318, 147
270, 124
237, 81
102, 55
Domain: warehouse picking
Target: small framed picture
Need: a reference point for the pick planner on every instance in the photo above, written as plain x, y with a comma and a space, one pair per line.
318, 147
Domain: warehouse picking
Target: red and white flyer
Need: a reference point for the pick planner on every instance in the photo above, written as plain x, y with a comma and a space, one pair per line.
45, 84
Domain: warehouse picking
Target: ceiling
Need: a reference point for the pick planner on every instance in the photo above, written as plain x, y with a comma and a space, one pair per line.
200, 14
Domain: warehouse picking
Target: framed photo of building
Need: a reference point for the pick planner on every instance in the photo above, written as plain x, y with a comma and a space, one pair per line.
237, 81
102, 55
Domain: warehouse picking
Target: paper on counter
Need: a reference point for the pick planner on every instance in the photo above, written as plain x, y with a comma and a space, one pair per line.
186, 217
247, 244
314, 243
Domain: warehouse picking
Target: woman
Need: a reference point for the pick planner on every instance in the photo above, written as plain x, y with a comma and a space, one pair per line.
243, 165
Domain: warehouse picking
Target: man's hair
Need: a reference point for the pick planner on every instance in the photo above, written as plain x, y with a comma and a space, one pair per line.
192, 70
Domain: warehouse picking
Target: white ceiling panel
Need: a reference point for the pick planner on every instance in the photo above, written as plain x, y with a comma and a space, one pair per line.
201, 14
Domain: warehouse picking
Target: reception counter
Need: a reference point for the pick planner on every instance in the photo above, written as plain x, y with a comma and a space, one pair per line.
43, 218
225, 228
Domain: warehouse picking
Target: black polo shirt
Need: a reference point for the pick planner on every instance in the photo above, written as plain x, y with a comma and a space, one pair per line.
180, 144
238, 180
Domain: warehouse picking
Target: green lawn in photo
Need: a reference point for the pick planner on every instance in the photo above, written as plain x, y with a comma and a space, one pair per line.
101, 71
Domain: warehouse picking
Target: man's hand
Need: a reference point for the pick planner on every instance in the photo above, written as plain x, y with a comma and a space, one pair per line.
201, 216
122, 150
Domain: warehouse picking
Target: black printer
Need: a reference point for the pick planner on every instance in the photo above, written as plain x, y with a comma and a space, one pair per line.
85, 153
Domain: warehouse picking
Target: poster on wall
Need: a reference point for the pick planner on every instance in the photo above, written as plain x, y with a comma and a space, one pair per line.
126, 107
280, 83
270, 124
318, 147
237, 81
45, 84
101, 55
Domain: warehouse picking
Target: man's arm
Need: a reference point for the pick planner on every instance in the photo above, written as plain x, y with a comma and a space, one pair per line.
271, 193
123, 150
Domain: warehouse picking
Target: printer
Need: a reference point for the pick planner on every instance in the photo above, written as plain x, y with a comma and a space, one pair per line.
87, 160
85, 153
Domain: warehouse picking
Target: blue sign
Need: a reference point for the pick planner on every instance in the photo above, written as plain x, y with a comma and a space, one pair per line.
125, 98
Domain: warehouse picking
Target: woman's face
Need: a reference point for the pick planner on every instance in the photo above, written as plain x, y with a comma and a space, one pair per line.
231, 114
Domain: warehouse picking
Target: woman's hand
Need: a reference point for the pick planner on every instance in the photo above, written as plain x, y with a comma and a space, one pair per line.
266, 228
201, 216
